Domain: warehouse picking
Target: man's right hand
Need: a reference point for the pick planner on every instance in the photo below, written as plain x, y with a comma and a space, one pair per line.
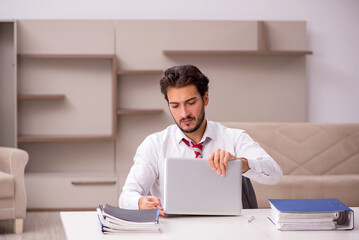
219, 159
151, 202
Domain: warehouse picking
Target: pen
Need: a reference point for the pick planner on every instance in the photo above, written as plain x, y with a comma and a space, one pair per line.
251, 219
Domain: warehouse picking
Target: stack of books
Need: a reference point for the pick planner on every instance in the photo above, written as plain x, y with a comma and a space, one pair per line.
311, 214
116, 220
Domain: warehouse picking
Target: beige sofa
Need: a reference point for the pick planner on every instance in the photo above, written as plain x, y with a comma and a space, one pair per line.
318, 160
12, 186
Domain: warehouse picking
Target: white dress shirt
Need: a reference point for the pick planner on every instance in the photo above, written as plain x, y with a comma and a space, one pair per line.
146, 175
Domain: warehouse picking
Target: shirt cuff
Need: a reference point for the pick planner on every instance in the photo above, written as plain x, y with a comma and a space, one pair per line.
254, 168
130, 202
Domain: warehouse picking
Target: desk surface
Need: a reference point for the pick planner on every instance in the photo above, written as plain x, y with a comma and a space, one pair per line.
85, 225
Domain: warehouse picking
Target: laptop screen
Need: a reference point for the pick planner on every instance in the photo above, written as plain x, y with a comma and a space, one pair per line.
192, 187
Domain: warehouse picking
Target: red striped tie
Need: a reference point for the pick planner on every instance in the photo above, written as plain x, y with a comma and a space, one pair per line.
197, 148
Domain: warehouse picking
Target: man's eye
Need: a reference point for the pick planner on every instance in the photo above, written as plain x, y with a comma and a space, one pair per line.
191, 103
174, 106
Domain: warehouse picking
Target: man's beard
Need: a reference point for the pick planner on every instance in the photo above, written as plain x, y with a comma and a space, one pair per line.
198, 125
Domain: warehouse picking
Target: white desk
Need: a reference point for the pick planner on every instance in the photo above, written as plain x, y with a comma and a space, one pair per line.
85, 225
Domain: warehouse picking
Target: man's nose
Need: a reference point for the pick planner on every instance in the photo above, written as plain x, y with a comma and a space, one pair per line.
184, 112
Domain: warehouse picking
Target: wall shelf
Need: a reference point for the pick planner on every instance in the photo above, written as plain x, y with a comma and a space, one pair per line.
138, 111
68, 56
62, 138
139, 72
237, 52
25, 97
262, 48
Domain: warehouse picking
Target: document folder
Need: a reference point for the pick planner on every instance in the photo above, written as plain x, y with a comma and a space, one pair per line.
311, 214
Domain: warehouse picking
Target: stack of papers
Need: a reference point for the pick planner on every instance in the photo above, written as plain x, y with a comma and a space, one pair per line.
311, 214
302, 221
115, 220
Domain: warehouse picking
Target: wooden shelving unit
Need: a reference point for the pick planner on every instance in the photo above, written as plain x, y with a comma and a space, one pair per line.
138, 111
68, 80
25, 97
139, 72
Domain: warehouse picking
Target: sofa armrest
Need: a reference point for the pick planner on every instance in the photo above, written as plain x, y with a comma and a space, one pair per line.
343, 187
5, 157
13, 161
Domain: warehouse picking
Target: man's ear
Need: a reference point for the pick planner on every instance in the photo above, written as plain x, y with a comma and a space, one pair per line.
206, 99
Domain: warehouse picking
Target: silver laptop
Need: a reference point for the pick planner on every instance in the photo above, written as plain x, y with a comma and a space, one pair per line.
192, 187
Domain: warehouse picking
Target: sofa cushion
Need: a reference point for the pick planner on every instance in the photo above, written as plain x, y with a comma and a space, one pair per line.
308, 148
7, 185
343, 187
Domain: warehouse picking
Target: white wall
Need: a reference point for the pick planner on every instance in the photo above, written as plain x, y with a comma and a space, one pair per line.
333, 35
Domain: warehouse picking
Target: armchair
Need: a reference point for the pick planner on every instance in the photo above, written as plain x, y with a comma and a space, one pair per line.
12, 186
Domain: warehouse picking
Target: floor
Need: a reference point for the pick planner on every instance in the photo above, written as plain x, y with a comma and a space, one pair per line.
37, 226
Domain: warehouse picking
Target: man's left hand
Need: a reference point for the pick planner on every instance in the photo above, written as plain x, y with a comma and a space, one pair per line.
219, 159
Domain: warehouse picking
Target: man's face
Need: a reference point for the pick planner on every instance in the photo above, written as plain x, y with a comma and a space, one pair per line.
187, 107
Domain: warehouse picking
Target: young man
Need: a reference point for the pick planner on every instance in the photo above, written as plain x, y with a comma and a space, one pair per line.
186, 90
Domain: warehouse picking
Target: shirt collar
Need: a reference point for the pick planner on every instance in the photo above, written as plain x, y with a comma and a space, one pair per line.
208, 133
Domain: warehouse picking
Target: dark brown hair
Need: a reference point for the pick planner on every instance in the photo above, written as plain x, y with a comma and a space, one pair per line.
180, 76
